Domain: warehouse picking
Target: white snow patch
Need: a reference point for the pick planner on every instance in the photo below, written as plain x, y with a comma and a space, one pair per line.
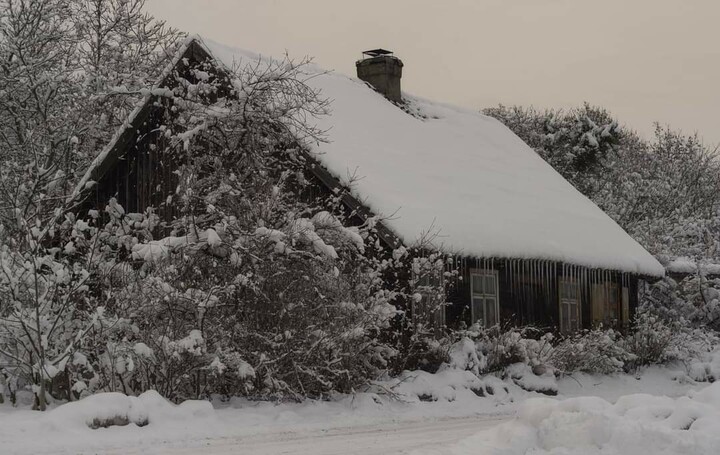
635, 424
377, 413
147, 409
213, 239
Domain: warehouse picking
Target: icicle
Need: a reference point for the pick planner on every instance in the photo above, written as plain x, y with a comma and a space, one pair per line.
548, 285
518, 287
550, 272
535, 280
546, 282
585, 284
508, 279
525, 269
515, 297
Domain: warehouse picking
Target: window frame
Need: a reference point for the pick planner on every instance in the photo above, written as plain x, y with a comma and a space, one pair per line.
484, 296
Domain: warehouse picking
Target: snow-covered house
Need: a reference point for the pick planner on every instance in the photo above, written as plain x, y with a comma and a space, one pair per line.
529, 247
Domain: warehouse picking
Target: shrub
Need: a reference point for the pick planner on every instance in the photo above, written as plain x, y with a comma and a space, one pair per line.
656, 339
592, 351
485, 350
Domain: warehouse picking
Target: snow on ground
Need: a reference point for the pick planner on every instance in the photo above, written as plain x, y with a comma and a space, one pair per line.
634, 424
461, 173
444, 413
266, 427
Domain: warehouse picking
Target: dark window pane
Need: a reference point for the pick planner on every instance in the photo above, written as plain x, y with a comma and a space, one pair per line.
490, 311
478, 310
490, 284
477, 284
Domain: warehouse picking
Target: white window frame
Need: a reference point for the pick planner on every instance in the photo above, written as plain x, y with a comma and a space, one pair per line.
484, 296
564, 301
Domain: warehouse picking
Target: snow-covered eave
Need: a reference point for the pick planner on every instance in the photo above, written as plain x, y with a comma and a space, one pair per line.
642, 273
632, 267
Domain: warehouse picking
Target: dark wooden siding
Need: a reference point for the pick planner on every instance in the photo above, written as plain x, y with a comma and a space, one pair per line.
144, 176
528, 290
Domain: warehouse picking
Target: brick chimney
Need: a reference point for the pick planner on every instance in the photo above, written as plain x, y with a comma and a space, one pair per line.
381, 69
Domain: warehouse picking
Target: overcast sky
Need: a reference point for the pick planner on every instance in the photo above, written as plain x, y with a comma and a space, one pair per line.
645, 60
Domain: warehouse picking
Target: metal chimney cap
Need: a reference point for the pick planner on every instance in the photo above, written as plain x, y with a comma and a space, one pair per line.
377, 52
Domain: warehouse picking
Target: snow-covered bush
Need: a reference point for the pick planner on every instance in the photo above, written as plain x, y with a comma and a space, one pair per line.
497, 353
506, 345
694, 300
419, 277
592, 351
447, 384
657, 339
487, 350
48, 303
651, 340
288, 325
56, 111
258, 285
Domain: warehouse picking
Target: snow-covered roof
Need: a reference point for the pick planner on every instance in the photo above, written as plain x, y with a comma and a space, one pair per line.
461, 174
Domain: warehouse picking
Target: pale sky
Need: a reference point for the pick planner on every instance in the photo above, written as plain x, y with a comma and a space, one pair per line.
644, 60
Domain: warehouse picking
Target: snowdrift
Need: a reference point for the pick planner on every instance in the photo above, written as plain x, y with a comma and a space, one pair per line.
116, 409
635, 424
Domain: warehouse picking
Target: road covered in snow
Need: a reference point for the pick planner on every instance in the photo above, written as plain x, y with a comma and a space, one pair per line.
662, 411
389, 439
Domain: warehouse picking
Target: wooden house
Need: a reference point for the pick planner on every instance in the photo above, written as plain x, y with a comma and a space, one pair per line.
527, 247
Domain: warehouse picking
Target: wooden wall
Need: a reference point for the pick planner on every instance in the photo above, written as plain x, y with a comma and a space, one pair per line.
528, 290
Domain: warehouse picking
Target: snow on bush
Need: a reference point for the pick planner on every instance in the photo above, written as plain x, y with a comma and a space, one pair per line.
447, 385
484, 350
533, 361
705, 369
591, 351
539, 379
589, 425
695, 299
491, 356
657, 339
254, 285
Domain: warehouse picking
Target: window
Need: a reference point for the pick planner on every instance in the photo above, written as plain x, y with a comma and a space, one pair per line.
484, 292
569, 306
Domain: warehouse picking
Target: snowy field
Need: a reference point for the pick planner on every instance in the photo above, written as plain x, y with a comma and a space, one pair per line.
663, 411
